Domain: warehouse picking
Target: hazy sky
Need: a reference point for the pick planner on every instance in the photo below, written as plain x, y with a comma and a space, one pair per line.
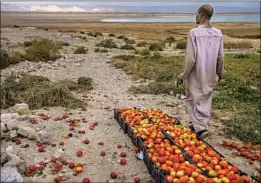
233, 4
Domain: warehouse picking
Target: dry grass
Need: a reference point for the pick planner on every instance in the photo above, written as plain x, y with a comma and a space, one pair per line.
37, 92
238, 45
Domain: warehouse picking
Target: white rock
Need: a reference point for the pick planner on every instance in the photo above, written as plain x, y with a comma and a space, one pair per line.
21, 108
5, 118
3, 128
43, 137
59, 154
27, 131
12, 125
10, 174
182, 97
225, 119
13, 160
16, 116
12, 134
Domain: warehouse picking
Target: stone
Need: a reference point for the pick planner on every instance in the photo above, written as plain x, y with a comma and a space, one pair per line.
43, 137
16, 116
225, 119
59, 154
27, 131
21, 108
22, 167
10, 174
5, 118
12, 125
3, 158
13, 160
12, 134
3, 128
182, 97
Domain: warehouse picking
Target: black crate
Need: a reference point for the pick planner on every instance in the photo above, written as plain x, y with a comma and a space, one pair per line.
116, 114
123, 125
141, 146
132, 135
161, 178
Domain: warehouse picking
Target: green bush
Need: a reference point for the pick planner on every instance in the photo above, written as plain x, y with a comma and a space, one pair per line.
85, 82
125, 57
142, 44
121, 37
181, 45
94, 34
156, 47
129, 41
27, 43
170, 39
80, 50
241, 56
144, 52
100, 50
42, 50
64, 44
156, 55
111, 35
128, 47
10, 59
108, 43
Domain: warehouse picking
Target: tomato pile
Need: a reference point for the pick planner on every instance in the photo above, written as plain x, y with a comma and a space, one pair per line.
188, 159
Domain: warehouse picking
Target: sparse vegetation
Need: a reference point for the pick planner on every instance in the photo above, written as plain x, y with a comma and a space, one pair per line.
238, 45
144, 52
80, 50
16, 26
67, 31
42, 50
94, 34
112, 35
128, 47
37, 92
121, 37
156, 47
100, 50
156, 55
27, 43
64, 43
129, 41
108, 43
10, 58
181, 45
81, 32
241, 56
237, 93
142, 44
85, 83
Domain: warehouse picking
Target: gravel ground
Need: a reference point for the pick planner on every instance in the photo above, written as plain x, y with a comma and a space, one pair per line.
111, 90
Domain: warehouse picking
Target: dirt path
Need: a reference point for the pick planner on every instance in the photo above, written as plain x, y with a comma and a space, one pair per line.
111, 90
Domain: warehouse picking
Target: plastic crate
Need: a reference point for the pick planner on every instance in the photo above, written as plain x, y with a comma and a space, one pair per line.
141, 146
161, 178
123, 125
116, 114
132, 135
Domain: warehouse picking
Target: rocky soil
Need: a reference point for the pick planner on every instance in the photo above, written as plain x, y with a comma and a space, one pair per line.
110, 91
